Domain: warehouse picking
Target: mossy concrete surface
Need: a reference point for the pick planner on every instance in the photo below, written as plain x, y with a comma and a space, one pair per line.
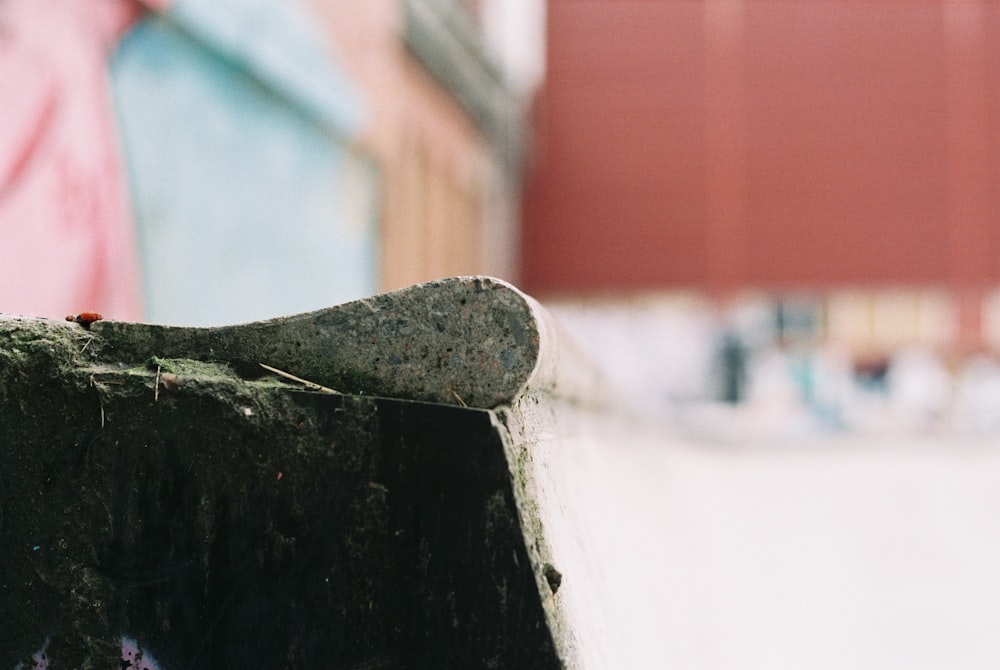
467, 341
225, 517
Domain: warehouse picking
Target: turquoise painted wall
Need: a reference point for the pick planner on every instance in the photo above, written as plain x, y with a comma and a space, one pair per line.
236, 130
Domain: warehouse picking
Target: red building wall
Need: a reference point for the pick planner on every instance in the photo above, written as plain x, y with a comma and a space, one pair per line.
724, 143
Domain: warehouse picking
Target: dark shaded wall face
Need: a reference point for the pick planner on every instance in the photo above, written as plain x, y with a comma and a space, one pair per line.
720, 144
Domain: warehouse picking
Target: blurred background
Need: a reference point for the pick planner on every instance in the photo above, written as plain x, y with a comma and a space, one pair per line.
206, 162
799, 199
778, 221
790, 206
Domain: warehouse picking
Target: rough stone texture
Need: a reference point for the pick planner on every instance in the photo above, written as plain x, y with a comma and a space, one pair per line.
466, 340
159, 491
224, 522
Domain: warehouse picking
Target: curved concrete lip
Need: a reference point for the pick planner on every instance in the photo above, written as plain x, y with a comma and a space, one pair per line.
470, 341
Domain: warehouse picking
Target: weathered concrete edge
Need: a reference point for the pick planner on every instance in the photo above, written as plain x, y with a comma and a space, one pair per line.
562, 371
545, 376
471, 341
536, 429
122, 396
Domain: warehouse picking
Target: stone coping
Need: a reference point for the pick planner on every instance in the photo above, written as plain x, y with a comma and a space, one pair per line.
469, 341
470, 367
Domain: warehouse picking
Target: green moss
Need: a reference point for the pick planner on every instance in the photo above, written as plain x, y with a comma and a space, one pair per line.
190, 367
248, 525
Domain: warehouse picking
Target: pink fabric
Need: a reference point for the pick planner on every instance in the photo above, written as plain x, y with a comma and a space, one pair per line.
66, 231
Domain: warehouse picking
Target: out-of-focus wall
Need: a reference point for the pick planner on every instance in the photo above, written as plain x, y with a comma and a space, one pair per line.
211, 161
728, 144
250, 198
66, 231
446, 129
183, 161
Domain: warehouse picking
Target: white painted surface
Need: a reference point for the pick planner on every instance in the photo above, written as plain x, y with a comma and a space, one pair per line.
835, 553
515, 31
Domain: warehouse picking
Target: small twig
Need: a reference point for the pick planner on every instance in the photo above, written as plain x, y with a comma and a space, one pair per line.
156, 386
457, 397
313, 386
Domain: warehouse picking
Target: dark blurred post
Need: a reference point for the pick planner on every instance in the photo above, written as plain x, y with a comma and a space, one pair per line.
733, 354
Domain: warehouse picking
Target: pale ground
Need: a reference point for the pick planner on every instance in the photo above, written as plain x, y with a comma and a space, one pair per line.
846, 552
859, 532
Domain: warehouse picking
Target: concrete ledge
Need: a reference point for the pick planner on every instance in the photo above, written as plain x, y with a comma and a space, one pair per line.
161, 492
468, 340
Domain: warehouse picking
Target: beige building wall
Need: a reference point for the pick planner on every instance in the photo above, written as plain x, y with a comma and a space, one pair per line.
448, 193
879, 322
